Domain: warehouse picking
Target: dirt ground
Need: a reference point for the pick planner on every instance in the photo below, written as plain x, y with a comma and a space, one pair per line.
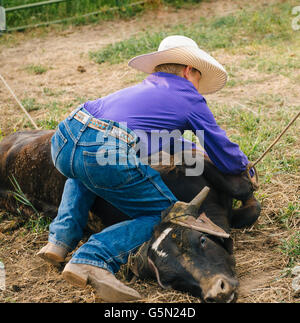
261, 267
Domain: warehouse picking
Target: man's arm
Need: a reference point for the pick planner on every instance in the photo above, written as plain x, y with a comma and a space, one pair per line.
224, 154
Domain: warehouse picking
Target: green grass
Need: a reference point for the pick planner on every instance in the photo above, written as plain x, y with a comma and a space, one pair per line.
53, 92
38, 224
279, 63
66, 9
54, 111
269, 26
292, 211
19, 195
48, 124
52, 117
30, 104
291, 248
254, 131
120, 51
77, 8
36, 69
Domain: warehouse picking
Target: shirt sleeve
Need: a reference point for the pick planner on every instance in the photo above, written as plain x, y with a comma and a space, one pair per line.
226, 155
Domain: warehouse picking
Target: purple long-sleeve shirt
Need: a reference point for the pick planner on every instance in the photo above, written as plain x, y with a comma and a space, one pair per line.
165, 101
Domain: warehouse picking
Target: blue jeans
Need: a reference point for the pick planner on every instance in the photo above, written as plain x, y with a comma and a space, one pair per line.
132, 187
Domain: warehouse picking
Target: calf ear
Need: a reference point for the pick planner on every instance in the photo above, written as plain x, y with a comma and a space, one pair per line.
156, 271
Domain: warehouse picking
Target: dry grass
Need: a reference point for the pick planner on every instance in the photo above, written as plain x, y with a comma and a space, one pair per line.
255, 106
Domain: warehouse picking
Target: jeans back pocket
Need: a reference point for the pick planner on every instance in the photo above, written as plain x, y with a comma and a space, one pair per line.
109, 168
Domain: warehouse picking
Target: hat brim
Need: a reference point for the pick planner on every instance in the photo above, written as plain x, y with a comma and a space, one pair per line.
214, 76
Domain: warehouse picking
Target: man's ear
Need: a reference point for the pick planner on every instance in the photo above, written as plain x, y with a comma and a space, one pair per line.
186, 71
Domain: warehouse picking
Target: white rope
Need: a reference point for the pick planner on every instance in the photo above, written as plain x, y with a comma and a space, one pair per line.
18, 101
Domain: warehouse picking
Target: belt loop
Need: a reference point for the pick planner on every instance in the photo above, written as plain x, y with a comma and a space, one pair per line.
82, 129
110, 125
86, 124
72, 114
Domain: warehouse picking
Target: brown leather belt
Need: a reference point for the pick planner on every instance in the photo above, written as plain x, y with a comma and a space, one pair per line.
102, 126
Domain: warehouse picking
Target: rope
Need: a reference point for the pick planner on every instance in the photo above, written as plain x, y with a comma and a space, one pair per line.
252, 165
19, 103
276, 140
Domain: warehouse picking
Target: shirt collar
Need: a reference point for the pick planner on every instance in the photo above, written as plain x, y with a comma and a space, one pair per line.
162, 77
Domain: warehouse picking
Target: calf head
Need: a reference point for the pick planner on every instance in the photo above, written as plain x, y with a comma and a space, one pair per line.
187, 259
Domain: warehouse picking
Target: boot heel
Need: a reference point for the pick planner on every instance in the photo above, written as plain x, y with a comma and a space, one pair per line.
75, 276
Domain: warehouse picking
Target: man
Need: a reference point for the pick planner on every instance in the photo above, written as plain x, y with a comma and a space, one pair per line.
169, 99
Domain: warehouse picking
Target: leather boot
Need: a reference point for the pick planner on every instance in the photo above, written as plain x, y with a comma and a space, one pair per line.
107, 286
53, 254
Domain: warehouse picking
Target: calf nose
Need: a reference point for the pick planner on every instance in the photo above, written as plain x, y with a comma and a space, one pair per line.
222, 289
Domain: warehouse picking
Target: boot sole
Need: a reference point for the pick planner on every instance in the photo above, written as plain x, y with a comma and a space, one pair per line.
51, 258
76, 280
109, 293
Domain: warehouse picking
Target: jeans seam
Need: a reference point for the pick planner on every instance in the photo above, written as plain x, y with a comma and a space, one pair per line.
74, 145
60, 148
73, 246
75, 141
60, 244
72, 158
119, 257
160, 190
69, 131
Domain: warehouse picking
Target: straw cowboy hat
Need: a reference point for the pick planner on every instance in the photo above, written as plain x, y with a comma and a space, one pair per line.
183, 50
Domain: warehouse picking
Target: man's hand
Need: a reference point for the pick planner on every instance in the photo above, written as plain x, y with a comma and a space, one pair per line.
254, 178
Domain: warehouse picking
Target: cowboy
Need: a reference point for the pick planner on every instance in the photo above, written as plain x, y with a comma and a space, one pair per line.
169, 98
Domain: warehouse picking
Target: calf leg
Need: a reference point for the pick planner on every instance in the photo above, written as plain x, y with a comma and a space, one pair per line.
236, 186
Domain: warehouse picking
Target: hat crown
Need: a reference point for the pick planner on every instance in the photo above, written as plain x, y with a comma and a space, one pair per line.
177, 49
176, 41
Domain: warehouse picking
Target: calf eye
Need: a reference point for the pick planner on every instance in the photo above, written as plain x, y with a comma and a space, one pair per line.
202, 241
